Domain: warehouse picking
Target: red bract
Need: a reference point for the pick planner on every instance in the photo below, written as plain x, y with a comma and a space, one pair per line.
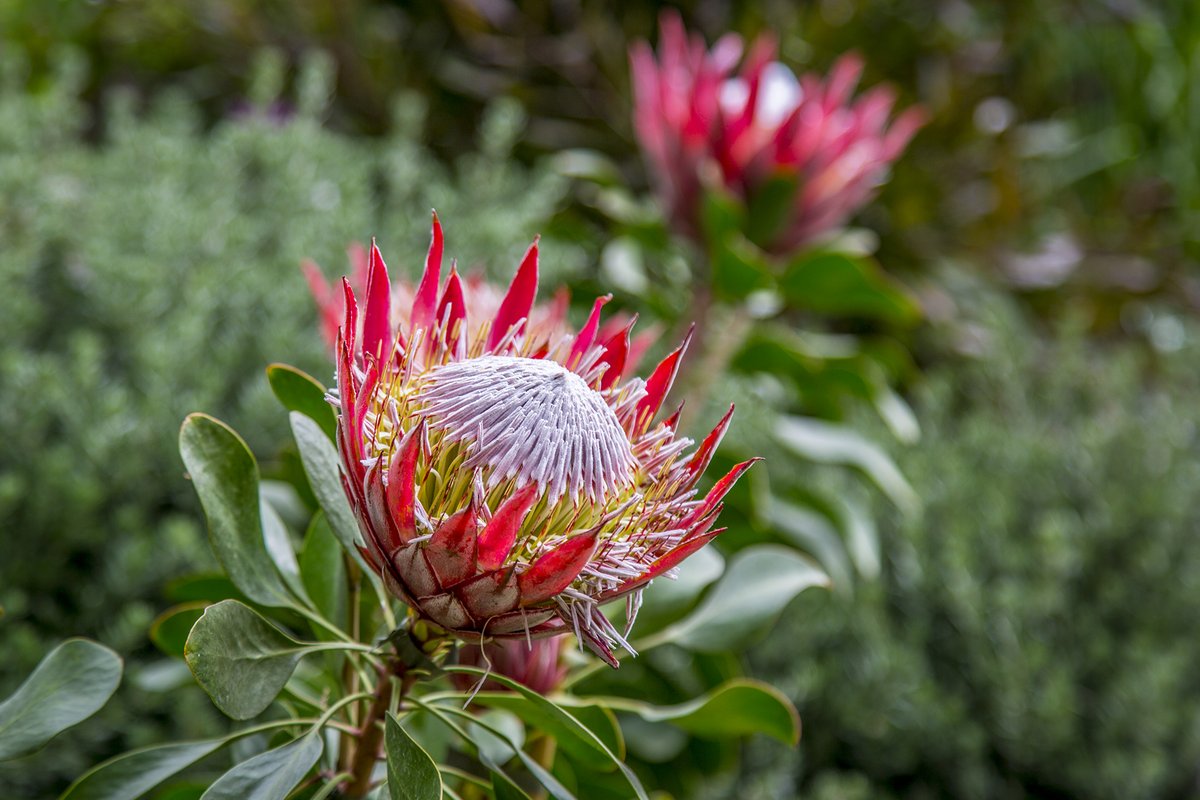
505, 482
760, 129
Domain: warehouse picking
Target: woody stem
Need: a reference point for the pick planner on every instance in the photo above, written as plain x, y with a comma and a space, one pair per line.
367, 749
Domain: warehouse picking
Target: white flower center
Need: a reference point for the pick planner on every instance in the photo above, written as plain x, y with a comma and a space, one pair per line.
532, 420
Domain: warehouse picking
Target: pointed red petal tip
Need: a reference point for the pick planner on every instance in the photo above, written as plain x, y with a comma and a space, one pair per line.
377, 325
704, 453
454, 300
349, 316
518, 301
425, 300
401, 484
554, 571
587, 334
616, 351
500, 534
717, 493
451, 551
659, 384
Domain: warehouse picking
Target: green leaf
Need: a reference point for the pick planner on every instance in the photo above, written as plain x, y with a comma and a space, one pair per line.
279, 546
323, 571
321, 466
665, 601
271, 775
771, 207
226, 479
504, 788
240, 659
552, 719
828, 443
170, 630
815, 533
301, 392
604, 724
130, 775
412, 775
759, 583
735, 708
841, 284
202, 587
70, 684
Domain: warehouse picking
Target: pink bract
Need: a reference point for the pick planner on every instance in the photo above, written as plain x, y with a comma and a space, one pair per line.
506, 478
697, 113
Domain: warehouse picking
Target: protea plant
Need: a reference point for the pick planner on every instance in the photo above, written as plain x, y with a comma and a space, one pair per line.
804, 144
507, 479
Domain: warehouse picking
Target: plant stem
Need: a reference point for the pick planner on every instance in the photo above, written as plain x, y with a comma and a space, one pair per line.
367, 749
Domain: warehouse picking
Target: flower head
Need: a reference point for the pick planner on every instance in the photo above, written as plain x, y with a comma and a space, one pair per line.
507, 480
761, 127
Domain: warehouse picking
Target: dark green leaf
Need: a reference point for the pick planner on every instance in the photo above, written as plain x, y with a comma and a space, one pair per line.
279, 546
504, 788
226, 479
812, 531
70, 684
836, 444
736, 708
299, 391
321, 465
771, 207
208, 588
412, 775
759, 583
271, 775
170, 630
240, 659
846, 285
550, 718
323, 570
130, 775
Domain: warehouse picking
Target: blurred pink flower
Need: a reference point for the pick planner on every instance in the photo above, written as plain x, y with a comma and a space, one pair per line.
696, 112
507, 480
537, 664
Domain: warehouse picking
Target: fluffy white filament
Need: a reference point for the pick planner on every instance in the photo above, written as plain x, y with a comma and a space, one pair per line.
532, 420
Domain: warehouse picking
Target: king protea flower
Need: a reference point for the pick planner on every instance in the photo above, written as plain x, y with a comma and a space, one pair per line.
506, 479
696, 113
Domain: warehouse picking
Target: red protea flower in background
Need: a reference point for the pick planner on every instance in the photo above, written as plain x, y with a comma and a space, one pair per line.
483, 301
694, 108
506, 480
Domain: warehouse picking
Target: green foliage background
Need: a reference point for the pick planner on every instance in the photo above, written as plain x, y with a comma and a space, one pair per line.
1030, 633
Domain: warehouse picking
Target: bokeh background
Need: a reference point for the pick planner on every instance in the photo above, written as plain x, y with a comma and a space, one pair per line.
1008, 506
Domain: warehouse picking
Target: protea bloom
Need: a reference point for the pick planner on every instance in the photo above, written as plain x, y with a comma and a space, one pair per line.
506, 480
760, 128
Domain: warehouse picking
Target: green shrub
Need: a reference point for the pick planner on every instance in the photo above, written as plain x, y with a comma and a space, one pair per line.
156, 274
1035, 633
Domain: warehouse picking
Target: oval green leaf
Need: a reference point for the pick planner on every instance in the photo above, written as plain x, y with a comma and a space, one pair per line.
321, 466
130, 775
842, 284
828, 443
323, 572
240, 659
759, 583
170, 630
412, 775
299, 391
736, 708
226, 479
70, 684
271, 775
